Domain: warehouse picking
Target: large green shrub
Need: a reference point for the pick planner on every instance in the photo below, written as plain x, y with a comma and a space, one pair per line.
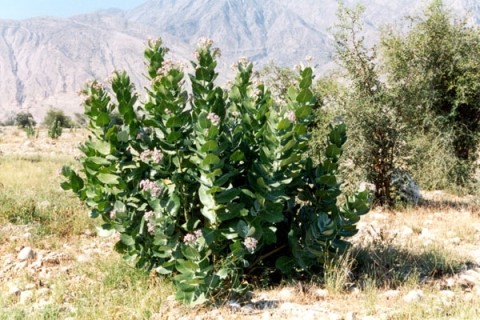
212, 189
435, 66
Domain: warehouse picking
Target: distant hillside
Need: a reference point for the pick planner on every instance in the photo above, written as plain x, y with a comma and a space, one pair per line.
44, 61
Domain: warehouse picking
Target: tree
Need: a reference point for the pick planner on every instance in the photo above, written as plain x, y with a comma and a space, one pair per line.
436, 67
25, 120
377, 144
57, 116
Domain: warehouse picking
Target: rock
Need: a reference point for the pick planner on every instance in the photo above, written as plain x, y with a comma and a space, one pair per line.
447, 295
405, 232
455, 241
413, 296
321, 293
355, 291
25, 254
466, 280
351, 316
26, 296
286, 294
26, 235
450, 283
266, 315
390, 294
234, 305
83, 258
30, 286
13, 289
334, 316
427, 234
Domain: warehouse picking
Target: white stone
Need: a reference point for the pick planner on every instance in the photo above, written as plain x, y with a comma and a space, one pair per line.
83, 258
448, 294
405, 232
286, 294
390, 294
30, 286
413, 296
450, 283
26, 296
321, 293
25, 254
426, 234
351, 316
13, 289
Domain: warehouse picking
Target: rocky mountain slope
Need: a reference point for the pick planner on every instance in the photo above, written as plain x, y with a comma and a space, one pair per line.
44, 61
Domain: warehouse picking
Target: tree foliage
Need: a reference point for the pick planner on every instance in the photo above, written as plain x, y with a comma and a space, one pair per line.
436, 67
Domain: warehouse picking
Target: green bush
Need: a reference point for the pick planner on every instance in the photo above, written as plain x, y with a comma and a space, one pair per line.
24, 120
55, 130
56, 115
435, 66
213, 189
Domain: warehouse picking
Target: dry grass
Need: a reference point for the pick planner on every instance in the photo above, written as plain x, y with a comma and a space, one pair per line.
395, 252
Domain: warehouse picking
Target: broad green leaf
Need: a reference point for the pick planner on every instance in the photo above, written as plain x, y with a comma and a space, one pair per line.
305, 96
227, 195
123, 136
237, 156
127, 239
210, 159
209, 146
108, 178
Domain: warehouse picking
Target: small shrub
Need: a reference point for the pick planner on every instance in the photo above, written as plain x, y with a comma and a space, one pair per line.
55, 130
56, 115
213, 189
24, 120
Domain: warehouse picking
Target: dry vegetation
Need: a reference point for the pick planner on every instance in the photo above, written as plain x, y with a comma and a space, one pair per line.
415, 263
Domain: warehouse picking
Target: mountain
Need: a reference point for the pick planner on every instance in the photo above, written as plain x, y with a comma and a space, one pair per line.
44, 61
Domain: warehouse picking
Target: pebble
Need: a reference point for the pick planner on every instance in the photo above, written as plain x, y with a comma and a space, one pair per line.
13, 289
25, 254
390, 294
26, 296
83, 258
413, 296
446, 296
286, 294
321, 293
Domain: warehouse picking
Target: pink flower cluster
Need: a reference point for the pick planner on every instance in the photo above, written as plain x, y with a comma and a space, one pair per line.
149, 216
151, 186
214, 118
154, 155
191, 238
250, 244
290, 115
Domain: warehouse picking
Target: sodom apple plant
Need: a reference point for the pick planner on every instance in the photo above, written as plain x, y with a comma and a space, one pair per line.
210, 186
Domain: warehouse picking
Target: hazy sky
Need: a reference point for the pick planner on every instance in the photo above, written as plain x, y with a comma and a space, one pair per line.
21, 9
